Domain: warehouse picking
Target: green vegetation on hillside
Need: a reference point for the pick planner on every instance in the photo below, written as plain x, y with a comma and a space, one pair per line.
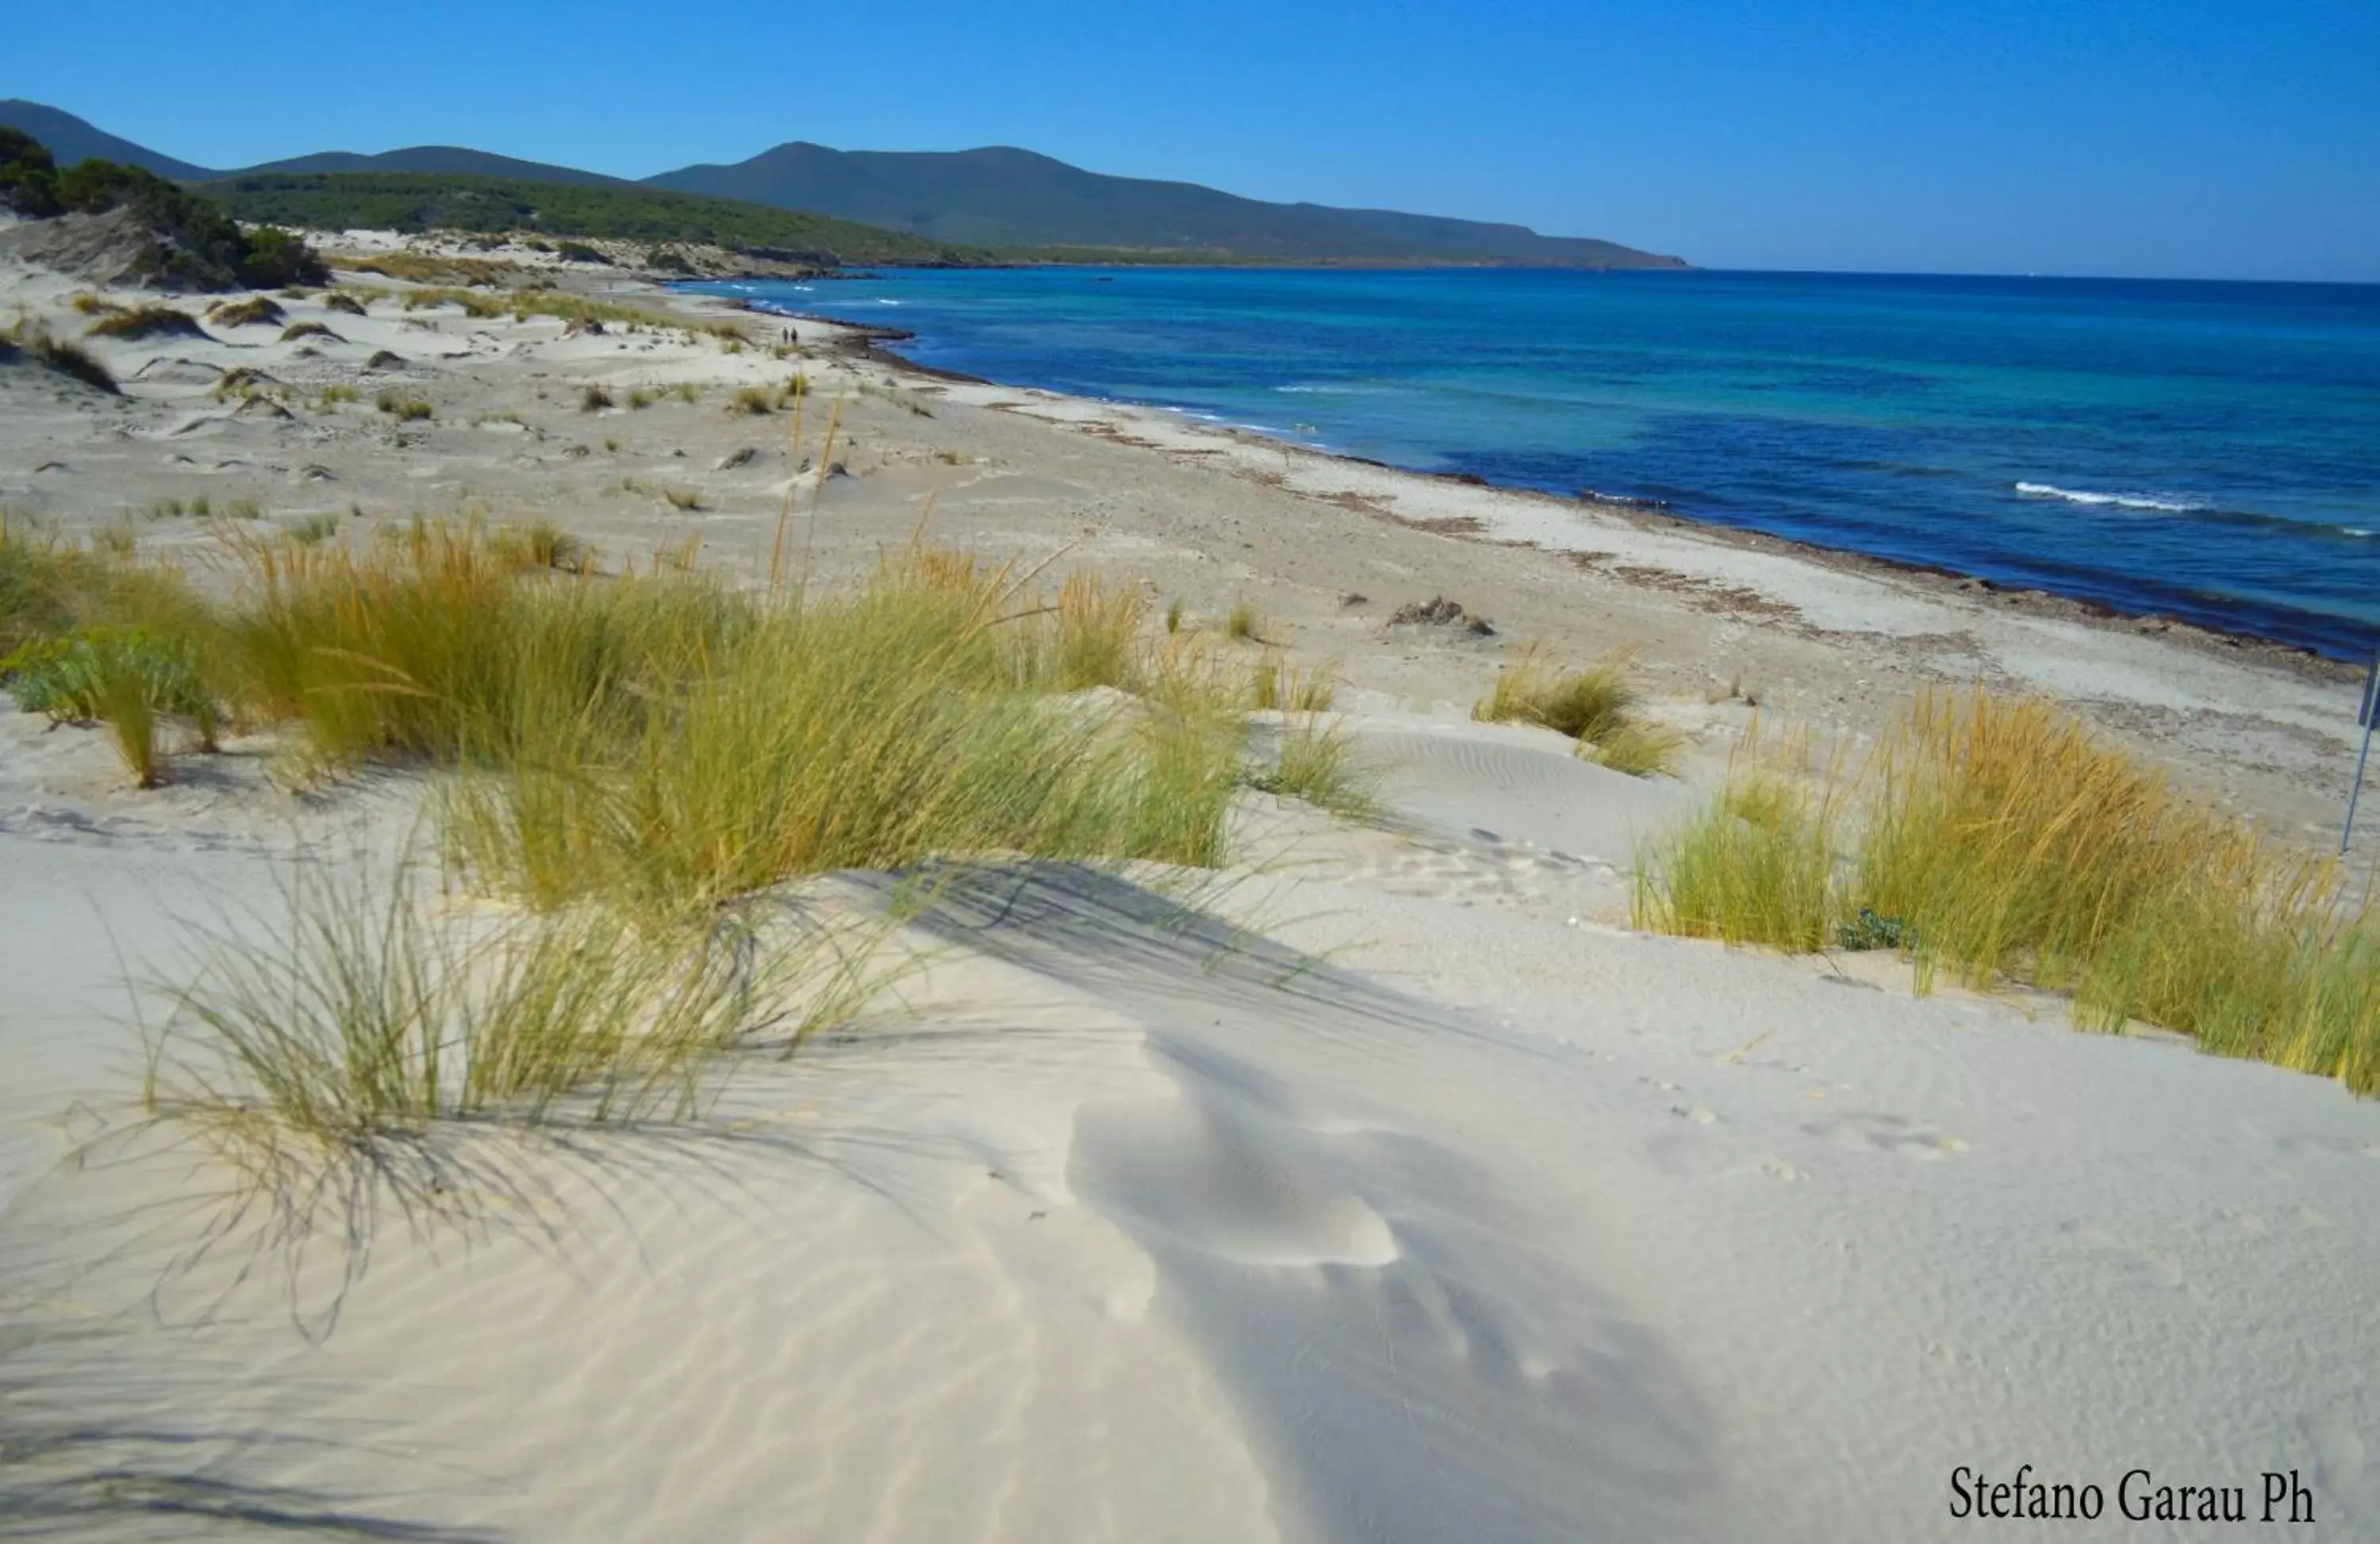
195, 245
418, 201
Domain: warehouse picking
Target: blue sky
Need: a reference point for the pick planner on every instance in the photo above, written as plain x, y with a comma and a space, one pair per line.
2163, 137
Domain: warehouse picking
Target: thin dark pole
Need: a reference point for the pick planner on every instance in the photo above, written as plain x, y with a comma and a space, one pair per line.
2355, 789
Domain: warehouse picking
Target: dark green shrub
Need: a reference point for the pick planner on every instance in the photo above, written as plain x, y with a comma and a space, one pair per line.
28, 177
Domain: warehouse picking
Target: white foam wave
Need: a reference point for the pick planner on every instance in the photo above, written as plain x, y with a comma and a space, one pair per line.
2122, 501
881, 302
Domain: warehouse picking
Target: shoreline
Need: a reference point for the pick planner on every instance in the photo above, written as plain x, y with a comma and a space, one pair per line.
867, 341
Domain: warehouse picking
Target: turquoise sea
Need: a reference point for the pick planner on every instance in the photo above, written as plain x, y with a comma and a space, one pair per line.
2208, 451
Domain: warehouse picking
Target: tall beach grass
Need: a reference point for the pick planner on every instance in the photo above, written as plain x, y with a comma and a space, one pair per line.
1999, 840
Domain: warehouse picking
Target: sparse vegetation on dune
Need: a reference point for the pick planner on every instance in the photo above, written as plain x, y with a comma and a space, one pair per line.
147, 322
1597, 707
1319, 763
1997, 840
348, 301
367, 1020
58, 354
631, 757
254, 311
594, 399
297, 331
404, 408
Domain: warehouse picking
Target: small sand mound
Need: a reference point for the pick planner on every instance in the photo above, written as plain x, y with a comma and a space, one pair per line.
309, 330
346, 303
384, 359
147, 322
256, 310
37, 349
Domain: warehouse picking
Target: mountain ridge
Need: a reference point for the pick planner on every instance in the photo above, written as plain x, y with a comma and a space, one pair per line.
1000, 197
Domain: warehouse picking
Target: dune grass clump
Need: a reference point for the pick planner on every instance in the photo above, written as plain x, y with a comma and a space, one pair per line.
313, 529
642, 398
147, 322
60, 355
594, 399
1097, 633
1244, 623
542, 544
1276, 684
254, 311
331, 397
1756, 867
404, 408
299, 330
1597, 707
50, 589
686, 501
362, 1017
1999, 840
906, 719
688, 392
350, 302
753, 401
1320, 764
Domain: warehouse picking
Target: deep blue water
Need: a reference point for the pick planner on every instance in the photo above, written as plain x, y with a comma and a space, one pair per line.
2204, 450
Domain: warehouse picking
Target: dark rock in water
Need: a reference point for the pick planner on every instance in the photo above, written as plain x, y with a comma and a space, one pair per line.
384, 359
734, 458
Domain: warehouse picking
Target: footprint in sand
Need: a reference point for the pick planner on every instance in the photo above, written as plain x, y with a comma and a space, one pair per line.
1866, 1132
2134, 1264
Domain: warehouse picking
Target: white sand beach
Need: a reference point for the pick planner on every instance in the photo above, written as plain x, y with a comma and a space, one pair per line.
1382, 1184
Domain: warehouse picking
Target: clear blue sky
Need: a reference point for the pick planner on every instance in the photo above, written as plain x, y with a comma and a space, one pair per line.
2169, 137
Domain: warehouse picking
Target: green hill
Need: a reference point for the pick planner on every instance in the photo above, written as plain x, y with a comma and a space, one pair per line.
70, 141
1007, 198
448, 159
423, 200
922, 206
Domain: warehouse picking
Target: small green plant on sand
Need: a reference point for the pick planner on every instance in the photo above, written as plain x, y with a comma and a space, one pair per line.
1245, 623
